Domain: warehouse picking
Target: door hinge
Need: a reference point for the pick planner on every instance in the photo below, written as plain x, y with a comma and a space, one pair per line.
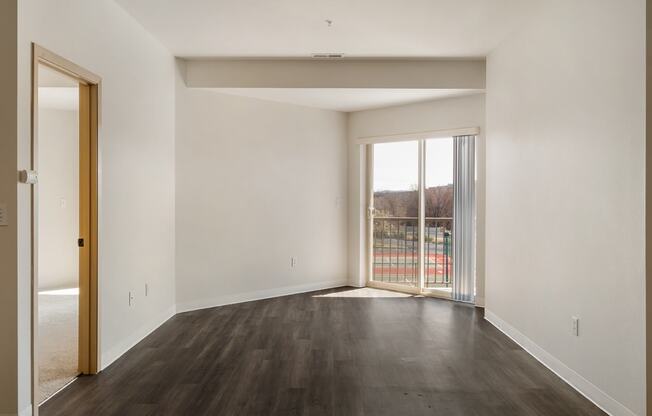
80, 242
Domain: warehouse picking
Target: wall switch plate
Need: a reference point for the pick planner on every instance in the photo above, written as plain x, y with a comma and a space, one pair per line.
576, 326
293, 262
4, 215
131, 298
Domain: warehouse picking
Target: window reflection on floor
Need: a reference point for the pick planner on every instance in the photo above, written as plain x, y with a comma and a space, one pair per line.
364, 292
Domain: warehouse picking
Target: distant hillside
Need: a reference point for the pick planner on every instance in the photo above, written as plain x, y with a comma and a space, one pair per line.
439, 202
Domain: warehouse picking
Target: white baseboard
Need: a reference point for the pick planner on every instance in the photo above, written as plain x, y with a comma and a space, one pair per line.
589, 390
108, 357
257, 295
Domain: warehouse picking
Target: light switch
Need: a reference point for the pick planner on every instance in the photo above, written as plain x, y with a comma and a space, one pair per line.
4, 216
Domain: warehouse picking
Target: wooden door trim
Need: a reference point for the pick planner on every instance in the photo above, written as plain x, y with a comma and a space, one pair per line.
89, 111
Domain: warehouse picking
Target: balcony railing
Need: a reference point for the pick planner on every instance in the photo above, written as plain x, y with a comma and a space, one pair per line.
395, 251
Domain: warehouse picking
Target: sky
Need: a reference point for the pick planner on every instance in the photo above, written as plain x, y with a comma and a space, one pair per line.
396, 164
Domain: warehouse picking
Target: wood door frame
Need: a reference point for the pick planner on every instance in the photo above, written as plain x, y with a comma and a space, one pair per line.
89, 110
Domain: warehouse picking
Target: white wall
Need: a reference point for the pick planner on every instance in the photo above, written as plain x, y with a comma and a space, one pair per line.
58, 260
136, 242
565, 177
257, 182
450, 113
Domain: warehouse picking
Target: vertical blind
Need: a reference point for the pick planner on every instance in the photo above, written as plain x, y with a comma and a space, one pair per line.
464, 219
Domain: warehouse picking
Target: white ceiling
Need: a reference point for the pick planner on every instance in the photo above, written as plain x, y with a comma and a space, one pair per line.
344, 99
360, 28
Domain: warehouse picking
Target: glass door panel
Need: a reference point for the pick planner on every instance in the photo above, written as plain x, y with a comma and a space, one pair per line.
438, 205
395, 213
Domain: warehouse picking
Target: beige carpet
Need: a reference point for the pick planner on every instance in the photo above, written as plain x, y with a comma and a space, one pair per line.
57, 338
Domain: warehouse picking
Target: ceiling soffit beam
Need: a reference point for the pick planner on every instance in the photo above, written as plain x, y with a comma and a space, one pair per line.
343, 73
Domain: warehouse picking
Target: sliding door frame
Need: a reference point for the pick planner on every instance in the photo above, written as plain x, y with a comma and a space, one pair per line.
418, 289
89, 120
421, 138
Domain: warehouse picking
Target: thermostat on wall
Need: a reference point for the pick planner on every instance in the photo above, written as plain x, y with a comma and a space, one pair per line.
29, 176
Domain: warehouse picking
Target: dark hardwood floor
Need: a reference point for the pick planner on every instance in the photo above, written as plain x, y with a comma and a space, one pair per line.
311, 354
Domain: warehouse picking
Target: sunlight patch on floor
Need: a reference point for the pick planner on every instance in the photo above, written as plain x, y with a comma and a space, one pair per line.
364, 292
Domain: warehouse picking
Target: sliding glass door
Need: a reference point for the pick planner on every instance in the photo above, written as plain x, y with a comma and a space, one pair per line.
395, 213
411, 215
438, 205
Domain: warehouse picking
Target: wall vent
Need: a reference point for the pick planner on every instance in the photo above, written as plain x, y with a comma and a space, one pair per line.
327, 55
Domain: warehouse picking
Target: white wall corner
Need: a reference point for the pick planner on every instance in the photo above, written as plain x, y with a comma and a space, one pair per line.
108, 357
589, 390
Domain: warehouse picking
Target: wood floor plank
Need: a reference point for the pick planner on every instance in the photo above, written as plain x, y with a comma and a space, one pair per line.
325, 353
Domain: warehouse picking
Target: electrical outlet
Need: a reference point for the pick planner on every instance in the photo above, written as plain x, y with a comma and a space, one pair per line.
131, 298
293, 262
576, 326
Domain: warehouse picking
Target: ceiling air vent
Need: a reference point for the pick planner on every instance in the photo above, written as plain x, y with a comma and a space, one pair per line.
327, 55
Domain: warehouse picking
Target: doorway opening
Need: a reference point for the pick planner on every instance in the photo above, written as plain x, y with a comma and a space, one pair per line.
64, 223
58, 230
421, 216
